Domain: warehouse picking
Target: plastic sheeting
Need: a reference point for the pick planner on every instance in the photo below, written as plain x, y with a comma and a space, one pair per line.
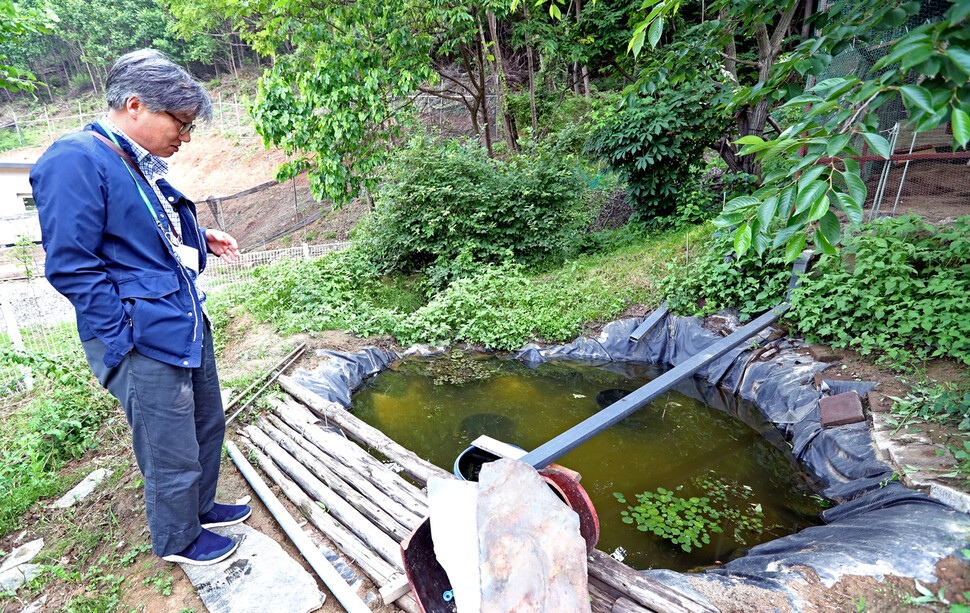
879, 526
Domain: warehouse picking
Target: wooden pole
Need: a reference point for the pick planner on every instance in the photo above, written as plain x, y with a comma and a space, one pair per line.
353, 456
418, 468
397, 511
348, 598
643, 590
373, 566
382, 519
339, 508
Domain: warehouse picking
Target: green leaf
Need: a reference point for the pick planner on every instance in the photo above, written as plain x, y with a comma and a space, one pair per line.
636, 43
878, 144
960, 57
836, 144
794, 248
960, 122
741, 202
554, 11
656, 30
808, 196
819, 207
767, 210
750, 139
803, 99
830, 228
857, 188
919, 96
742, 239
809, 175
824, 245
853, 210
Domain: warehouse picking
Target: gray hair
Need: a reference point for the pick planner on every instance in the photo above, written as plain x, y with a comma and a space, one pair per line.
158, 82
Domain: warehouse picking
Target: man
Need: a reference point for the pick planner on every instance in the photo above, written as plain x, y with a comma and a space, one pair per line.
125, 248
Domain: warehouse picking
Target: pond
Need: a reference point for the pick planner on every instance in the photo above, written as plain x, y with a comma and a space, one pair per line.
710, 484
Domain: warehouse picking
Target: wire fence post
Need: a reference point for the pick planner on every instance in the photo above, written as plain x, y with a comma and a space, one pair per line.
50, 131
13, 332
16, 128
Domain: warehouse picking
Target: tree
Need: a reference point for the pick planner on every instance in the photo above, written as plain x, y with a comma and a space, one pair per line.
926, 66
15, 23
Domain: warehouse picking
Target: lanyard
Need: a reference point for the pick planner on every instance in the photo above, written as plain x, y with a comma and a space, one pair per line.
170, 236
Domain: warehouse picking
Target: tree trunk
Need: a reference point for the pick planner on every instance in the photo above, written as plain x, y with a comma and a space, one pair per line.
584, 70
508, 123
532, 78
483, 92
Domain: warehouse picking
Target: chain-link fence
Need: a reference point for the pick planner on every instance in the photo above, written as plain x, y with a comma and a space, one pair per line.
41, 128
36, 319
924, 174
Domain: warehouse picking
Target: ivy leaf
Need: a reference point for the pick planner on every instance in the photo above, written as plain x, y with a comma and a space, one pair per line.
878, 144
960, 122
919, 96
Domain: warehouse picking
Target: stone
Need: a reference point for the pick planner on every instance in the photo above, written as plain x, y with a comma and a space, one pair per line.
11, 580
840, 410
36, 606
532, 555
821, 353
21, 555
821, 377
879, 403
82, 490
259, 577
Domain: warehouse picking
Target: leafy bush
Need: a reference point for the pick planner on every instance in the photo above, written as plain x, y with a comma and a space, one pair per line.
59, 423
654, 141
714, 281
445, 198
901, 288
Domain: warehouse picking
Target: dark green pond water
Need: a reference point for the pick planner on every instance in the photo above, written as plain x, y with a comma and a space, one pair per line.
677, 443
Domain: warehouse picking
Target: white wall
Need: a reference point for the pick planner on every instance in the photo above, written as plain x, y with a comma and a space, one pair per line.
14, 219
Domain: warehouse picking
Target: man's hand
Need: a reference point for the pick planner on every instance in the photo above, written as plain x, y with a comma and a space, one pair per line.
222, 244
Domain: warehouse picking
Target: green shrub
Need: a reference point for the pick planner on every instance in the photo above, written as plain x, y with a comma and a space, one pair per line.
656, 144
901, 289
715, 281
446, 198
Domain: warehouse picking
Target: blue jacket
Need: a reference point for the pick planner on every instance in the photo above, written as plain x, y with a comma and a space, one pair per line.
106, 254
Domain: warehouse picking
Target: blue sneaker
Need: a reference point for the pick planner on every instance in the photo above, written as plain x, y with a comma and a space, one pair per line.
225, 515
207, 548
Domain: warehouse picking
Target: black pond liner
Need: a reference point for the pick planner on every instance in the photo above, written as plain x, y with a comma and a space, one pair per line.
878, 527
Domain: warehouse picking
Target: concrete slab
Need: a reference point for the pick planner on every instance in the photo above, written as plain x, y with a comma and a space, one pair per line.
259, 577
840, 410
879, 403
21, 555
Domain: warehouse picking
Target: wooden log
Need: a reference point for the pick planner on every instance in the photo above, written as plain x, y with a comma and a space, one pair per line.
625, 605
419, 469
355, 479
648, 592
352, 455
367, 508
340, 509
370, 563
599, 599
300, 410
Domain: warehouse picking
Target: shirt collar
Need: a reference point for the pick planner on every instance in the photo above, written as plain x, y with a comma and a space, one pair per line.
152, 165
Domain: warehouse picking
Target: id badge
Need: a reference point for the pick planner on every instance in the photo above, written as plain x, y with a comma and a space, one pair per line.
189, 256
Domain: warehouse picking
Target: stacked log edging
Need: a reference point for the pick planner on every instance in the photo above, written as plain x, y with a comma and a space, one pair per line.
370, 508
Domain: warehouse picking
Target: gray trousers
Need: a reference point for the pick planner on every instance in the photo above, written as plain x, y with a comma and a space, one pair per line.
177, 427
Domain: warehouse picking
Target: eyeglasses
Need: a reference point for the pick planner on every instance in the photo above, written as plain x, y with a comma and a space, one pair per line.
184, 126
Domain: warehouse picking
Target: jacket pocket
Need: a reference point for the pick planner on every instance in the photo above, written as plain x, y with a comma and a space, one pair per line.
153, 286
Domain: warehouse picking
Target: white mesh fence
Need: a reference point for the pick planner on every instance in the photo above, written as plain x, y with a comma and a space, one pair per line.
36, 319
